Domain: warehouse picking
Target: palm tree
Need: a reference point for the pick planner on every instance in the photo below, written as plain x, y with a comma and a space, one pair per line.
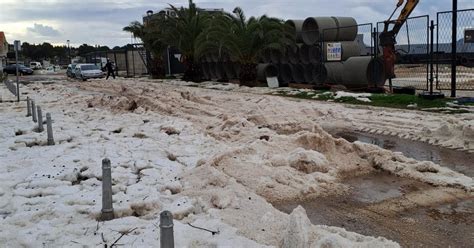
153, 41
246, 39
183, 32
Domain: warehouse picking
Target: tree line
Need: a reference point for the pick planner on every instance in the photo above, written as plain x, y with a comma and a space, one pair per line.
47, 51
196, 33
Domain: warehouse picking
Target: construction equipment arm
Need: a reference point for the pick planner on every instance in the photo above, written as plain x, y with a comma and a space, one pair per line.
388, 37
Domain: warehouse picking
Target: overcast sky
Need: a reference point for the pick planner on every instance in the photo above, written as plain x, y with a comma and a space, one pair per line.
101, 21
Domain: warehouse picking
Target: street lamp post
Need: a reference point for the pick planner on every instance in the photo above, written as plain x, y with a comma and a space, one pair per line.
69, 51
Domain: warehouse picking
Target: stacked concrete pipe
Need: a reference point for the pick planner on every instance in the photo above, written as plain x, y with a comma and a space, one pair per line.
213, 70
205, 71
285, 76
356, 72
306, 61
297, 73
229, 70
297, 26
236, 67
317, 29
220, 72
293, 54
275, 56
266, 70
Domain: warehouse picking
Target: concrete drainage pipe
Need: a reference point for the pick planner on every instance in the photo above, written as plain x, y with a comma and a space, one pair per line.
275, 56
205, 71
313, 29
266, 70
220, 72
212, 70
334, 72
347, 28
236, 67
361, 72
297, 73
329, 29
285, 77
308, 73
293, 54
229, 70
297, 26
304, 53
312, 54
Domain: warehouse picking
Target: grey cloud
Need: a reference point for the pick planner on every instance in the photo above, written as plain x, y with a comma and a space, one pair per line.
43, 30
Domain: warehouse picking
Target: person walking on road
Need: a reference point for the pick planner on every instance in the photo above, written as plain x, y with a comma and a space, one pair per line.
110, 69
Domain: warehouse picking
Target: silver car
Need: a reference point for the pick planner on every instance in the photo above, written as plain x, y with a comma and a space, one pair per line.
87, 71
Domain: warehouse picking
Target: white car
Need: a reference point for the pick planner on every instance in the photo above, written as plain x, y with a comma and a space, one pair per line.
87, 71
36, 65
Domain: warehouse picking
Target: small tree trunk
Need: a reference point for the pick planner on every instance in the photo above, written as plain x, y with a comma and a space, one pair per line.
157, 69
192, 71
248, 74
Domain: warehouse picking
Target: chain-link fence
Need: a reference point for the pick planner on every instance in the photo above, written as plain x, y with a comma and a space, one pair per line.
9, 84
127, 63
412, 66
464, 50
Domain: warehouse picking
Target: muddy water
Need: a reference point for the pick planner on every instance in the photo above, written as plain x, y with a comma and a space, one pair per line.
456, 160
411, 213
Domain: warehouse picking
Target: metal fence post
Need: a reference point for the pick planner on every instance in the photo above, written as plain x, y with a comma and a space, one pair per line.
107, 209
166, 230
28, 106
40, 120
49, 129
33, 111
432, 26
454, 47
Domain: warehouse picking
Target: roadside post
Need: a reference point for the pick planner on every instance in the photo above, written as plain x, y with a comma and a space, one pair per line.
28, 106
33, 111
40, 120
166, 230
107, 208
49, 129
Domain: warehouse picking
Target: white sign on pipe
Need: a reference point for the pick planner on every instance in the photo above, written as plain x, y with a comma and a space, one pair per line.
272, 82
334, 51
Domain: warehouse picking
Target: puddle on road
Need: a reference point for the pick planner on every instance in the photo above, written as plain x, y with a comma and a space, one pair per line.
456, 160
381, 186
372, 208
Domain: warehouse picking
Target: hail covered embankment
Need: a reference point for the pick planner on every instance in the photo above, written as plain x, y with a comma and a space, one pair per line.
215, 158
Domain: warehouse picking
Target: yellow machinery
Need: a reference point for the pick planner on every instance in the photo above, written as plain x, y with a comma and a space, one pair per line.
388, 37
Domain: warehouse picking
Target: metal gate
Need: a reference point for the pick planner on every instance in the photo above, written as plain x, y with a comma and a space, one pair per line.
412, 66
464, 76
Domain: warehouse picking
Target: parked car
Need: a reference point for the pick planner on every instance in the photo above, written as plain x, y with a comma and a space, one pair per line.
22, 70
36, 65
71, 71
87, 71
